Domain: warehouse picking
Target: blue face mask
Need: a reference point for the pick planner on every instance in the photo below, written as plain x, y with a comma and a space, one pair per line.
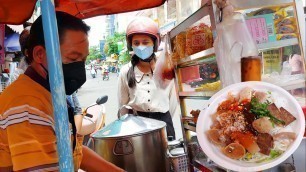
143, 52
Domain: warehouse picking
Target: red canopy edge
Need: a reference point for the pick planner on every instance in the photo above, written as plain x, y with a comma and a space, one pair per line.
19, 11
16, 11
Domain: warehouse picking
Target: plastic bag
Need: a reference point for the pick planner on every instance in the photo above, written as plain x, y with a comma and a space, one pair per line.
233, 42
164, 69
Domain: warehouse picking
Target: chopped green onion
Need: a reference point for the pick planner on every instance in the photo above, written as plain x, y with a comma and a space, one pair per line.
261, 110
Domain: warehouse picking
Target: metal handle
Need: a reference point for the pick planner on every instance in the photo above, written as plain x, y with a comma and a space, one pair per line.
123, 147
125, 109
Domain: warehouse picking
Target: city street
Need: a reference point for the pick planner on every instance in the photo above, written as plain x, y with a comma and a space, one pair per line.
96, 87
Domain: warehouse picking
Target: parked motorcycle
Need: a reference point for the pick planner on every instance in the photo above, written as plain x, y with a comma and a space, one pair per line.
94, 118
105, 75
93, 73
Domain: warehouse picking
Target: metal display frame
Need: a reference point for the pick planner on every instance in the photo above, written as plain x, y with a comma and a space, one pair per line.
204, 56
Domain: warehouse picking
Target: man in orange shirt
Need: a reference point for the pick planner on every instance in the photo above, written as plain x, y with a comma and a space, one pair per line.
27, 135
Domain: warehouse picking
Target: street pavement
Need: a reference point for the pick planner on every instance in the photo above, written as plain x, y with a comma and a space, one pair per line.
96, 87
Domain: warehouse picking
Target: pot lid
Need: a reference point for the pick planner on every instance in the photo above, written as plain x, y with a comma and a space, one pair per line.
129, 125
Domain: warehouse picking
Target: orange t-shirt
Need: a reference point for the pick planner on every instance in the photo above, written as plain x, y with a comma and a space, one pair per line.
27, 133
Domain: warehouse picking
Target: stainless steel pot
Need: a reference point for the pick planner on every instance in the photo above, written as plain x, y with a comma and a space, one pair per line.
134, 143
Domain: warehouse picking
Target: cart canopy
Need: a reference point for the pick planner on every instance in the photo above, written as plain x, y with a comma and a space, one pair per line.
19, 11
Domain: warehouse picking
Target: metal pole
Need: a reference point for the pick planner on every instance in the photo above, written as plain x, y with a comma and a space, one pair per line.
57, 86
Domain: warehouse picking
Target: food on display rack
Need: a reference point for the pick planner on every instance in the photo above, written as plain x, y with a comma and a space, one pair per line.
175, 56
251, 128
198, 38
193, 81
286, 36
285, 24
203, 77
285, 29
285, 21
210, 75
272, 24
195, 39
209, 71
213, 86
263, 11
180, 44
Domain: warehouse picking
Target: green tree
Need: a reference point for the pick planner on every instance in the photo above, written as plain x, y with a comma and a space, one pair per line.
124, 57
105, 50
94, 53
112, 43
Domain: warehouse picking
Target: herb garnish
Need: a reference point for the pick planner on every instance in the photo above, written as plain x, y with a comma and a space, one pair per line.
261, 110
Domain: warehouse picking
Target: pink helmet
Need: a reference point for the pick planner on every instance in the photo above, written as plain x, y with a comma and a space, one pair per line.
143, 25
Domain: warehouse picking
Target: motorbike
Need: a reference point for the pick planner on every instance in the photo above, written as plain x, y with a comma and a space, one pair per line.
93, 73
105, 75
93, 118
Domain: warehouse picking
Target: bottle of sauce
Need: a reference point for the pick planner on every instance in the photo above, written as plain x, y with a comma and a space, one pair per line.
251, 68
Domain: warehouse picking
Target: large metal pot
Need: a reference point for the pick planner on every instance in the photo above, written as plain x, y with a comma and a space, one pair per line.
134, 143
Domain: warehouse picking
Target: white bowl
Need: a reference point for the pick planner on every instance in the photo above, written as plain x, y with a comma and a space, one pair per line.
280, 97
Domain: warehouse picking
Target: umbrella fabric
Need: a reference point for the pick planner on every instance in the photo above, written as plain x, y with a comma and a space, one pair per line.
16, 11
19, 11
11, 42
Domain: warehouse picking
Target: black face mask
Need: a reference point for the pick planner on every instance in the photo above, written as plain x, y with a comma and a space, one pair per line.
74, 76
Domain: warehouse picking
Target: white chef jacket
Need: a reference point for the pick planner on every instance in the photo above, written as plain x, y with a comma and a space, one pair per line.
146, 96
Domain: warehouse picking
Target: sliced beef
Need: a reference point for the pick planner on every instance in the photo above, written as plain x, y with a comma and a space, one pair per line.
265, 143
274, 111
287, 117
281, 114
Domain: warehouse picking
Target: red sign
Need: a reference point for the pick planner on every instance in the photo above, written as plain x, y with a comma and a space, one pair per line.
2, 54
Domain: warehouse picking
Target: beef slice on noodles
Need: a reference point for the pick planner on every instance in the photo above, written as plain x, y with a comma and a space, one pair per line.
265, 143
287, 117
281, 114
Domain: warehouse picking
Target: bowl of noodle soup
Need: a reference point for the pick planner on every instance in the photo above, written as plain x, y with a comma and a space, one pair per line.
278, 96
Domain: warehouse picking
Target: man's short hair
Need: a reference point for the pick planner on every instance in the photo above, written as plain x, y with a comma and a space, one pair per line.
23, 41
65, 22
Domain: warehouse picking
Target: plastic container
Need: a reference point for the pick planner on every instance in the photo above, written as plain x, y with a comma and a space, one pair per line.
251, 69
172, 144
178, 160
